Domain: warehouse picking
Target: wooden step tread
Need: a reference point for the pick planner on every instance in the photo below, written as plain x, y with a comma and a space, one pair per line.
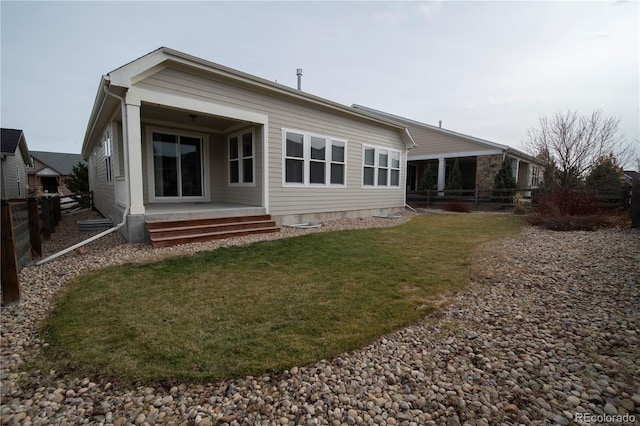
152, 224
212, 226
214, 234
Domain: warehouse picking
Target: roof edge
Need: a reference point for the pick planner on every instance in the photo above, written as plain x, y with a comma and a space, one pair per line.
492, 144
125, 76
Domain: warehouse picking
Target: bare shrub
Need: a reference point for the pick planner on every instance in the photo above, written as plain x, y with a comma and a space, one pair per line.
567, 209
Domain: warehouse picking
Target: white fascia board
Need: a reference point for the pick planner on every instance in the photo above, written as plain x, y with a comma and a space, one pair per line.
454, 155
48, 171
24, 149
136, 95
128, 74
523, 156
95, 112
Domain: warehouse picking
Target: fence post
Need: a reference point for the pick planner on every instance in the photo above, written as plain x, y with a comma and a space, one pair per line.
10, 284
45, 214
93, 207
34, 227
57, 210
626, 197
634, 209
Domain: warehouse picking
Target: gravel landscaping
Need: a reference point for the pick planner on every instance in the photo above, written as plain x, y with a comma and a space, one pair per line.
548, 332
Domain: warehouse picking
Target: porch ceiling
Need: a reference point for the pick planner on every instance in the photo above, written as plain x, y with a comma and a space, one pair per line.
185, 118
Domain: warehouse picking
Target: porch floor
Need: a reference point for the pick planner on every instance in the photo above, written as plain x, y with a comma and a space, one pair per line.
168, 211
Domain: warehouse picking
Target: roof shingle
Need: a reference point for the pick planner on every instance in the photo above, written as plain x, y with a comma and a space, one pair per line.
61, 162
10, 140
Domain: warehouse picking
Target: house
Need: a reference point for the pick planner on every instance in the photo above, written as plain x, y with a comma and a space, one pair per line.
630, 175
14, 159
172, 136
49, 170
479, 159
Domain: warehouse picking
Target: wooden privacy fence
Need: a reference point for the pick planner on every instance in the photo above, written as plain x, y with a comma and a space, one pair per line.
25, 224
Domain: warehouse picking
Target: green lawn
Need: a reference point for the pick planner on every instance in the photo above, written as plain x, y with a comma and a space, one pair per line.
264, 307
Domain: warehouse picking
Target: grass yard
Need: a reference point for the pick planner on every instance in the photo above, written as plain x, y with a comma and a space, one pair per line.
264, 307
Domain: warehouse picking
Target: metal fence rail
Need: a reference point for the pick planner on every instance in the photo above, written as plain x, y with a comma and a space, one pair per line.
496, 199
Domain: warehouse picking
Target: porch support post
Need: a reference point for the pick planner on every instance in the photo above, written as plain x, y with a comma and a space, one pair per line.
517, 173
134, 148
442, 162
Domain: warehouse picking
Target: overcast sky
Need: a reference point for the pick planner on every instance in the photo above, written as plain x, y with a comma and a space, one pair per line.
489, 69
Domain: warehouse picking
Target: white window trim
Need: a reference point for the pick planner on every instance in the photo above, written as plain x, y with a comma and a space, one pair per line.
376, 166
241, 158
204, 139
306, 158
107, 148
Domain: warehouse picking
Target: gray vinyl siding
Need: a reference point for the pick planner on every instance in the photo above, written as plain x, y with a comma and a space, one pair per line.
432, 142
103, 191
13, 168
285, 113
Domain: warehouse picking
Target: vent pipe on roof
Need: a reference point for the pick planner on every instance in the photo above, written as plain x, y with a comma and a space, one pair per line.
299, 73
440, 124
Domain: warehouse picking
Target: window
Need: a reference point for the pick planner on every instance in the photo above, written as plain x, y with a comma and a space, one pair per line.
380, 166
315, 160
177, 165
535, 176
369, 166
18, 180
294, 158
395, 168
241, 150
108, 148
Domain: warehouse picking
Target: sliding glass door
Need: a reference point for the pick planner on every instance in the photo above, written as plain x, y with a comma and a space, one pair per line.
177, 165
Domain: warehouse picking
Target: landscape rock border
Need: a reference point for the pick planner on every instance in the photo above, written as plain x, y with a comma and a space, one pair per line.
547, 333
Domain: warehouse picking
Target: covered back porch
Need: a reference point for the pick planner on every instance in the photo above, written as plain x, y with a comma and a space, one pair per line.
178, 158
476, 173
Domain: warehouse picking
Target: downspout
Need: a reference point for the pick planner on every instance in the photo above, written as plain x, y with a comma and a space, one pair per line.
126, 210
87, 241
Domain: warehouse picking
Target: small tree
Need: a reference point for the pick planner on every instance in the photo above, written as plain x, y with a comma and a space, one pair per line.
549, 172
454, 180
504, 183
607, 178
429, 179
78, 180
78, 183
575, 143
606, 173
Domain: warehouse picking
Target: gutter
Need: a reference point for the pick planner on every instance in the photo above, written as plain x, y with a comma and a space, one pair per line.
126, 210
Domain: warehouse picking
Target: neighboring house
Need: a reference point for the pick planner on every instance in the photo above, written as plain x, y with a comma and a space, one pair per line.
479, 160
14, 157
630, 175
175, 136
49, 170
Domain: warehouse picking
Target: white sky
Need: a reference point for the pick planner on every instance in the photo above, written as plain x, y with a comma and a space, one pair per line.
489, 69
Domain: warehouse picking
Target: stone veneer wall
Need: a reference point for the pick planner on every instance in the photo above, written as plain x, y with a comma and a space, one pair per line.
487, 167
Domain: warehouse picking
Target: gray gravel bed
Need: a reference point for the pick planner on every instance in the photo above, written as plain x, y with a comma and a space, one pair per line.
547, 333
